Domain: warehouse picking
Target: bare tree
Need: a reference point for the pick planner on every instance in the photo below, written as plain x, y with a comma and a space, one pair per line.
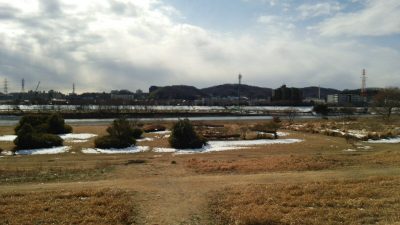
291, 113
387, 101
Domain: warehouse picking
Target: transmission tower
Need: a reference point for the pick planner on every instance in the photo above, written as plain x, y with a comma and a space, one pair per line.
364, 84
73, 88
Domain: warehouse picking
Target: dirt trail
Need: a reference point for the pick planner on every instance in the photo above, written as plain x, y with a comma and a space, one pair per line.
173, 196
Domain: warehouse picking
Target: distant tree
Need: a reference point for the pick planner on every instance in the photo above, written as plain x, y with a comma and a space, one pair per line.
386, 101
291, 113
184, 136
321, 109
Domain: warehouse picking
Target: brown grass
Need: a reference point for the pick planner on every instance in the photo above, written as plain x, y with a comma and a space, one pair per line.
52, 174
370, 201
266, 164
64, 207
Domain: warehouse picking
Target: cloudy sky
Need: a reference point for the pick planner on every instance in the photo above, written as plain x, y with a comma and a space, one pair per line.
131, 44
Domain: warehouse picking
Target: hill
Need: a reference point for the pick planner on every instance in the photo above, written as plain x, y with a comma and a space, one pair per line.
181, 92
227, 90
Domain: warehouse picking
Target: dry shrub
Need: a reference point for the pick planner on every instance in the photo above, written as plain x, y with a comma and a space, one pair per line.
77, 207
368, 201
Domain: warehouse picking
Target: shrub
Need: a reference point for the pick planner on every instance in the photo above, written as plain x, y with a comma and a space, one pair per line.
121, 134
123, 129
184, 136
56, 125
53, 124
35, 121
27, 138
38, 131
107, 142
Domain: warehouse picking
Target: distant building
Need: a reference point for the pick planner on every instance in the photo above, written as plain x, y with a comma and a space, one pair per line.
345, 99
122, 94
287, 95
314, 100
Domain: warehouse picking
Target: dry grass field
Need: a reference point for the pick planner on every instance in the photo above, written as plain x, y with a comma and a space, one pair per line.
317, 181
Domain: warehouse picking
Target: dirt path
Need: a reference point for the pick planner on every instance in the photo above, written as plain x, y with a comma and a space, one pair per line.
172, 196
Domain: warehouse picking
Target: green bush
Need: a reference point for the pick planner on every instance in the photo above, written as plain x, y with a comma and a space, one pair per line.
38, 122
56, 125
53, 124
184, 136
38, 131
121, 134
123, 129
107, 142
27, 138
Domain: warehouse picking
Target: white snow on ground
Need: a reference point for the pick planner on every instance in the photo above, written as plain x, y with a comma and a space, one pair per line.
133, 149
145, 139
77, 138
385, 141
164, 150
282, 134
161, 132
358, 133
8, 153
8, 137
44, 151
215, 146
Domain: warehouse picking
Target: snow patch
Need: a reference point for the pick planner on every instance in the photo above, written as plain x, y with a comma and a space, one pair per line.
77, 138
282, 134
65, 137
8, 137
162, 132
145, 139
129, 150
385, 141
216, 146
44, 151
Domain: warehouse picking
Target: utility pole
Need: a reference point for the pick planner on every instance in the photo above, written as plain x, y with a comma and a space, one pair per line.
23, 86
319, 92
73, 88
240, 82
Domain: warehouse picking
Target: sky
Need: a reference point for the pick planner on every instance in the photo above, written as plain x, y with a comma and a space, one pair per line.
103, 45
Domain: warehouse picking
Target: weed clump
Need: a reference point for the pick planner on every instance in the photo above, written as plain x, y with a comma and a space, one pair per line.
184, 136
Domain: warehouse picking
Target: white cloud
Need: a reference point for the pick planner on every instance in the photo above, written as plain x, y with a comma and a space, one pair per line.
130, 44
378, 18
319, 9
